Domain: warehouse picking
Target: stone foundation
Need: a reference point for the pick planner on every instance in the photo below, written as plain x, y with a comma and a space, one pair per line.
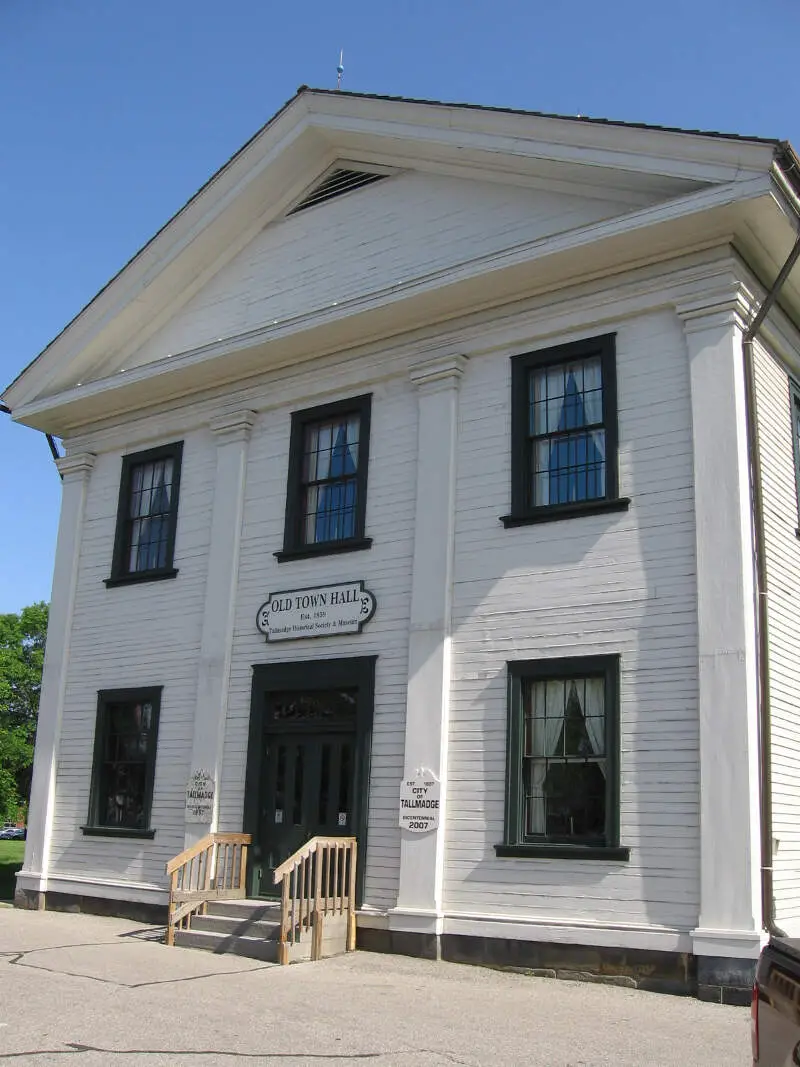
153, 914
726, 981
710, 978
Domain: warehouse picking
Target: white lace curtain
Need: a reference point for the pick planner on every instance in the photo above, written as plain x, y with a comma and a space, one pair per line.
548, 709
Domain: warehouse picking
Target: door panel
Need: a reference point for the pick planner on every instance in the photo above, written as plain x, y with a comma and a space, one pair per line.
308, 760
307, 791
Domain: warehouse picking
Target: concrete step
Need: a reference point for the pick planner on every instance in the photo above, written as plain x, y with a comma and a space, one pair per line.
237, 926
246, 910
256, 948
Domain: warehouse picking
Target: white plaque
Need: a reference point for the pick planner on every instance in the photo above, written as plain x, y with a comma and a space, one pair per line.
321, 611
419, 803
200, 797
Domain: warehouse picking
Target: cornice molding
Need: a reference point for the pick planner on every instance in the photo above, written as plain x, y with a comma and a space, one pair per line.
727, 305
444, 371
626, 226
77, 465
232, 426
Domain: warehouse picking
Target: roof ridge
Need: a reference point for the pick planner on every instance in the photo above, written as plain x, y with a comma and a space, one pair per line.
586, 119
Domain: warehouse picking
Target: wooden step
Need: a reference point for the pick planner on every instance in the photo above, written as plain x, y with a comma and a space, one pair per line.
237, 926
246, 910
257, 948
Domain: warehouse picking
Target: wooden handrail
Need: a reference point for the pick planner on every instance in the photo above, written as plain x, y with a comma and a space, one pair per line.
306, 850
317, 880
215, 868
202, 845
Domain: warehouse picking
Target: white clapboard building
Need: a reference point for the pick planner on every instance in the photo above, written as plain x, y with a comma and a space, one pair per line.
441, 444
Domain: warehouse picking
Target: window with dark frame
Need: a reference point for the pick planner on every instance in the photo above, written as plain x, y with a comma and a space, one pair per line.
327, 481
147, 515
126, 735
562, 793
564, 431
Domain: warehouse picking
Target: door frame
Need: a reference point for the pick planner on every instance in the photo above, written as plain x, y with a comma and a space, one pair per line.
307, 675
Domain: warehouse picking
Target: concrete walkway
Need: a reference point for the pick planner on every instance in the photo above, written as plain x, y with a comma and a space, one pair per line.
92, 992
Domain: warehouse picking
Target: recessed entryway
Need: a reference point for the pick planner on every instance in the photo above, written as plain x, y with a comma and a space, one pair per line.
307, 760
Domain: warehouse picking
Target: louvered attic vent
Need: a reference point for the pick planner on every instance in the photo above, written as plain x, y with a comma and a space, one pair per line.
337, 183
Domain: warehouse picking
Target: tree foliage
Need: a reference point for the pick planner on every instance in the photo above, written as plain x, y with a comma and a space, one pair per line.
22, 640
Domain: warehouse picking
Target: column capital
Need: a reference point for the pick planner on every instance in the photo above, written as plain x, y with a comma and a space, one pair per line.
443, 371
76, 465
730, 305
232, 425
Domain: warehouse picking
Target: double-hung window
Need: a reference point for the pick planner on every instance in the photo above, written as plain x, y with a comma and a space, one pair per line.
126, 735
564, 432
562, 790
326, 494
147, 515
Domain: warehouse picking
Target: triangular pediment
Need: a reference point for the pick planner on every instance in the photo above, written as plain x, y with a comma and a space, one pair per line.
403, 231
342, 202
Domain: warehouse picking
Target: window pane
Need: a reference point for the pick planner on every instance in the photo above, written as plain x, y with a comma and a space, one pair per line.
299, 768
568, 467
150, 511
329, 490
122, 775
324, 784
564, 774
566, 800
567, 439
325, 706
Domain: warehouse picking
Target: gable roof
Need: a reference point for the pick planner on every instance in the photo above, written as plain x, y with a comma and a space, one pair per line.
534, 141
585, 119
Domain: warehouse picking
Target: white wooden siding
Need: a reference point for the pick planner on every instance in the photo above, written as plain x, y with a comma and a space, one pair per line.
404, 228
386, 570
134, 635
615, 583
149, 634
620, 582
783, 581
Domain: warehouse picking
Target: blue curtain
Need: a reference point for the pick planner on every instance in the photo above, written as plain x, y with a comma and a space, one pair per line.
576, 463
336, 505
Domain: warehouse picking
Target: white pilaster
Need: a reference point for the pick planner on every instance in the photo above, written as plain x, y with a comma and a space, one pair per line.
75, 470
232, 432
729, 920
419, 901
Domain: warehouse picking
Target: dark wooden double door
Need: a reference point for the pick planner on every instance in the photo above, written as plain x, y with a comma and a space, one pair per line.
312, 755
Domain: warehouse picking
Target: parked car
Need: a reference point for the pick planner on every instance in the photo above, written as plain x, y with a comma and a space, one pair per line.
13, 833
775, 1011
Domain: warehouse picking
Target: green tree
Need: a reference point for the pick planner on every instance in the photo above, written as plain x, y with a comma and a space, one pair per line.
22, 640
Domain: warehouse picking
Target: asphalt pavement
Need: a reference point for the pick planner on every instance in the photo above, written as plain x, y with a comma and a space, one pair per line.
83, 991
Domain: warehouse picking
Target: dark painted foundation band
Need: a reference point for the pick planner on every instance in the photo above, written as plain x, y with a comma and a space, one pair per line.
718, 979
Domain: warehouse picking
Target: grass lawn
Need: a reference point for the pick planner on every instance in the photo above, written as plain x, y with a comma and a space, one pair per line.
11, 853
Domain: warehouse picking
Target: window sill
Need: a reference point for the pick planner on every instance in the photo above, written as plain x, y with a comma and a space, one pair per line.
327, 548
117, 831
563, 852
143, 576
554, 512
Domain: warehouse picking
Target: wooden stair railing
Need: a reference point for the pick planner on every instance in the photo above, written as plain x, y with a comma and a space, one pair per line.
213, 869
319, 880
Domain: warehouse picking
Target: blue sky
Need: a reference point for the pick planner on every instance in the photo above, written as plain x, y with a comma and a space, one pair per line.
113, 113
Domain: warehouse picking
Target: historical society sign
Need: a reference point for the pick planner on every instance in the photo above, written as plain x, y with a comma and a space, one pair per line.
321, 611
